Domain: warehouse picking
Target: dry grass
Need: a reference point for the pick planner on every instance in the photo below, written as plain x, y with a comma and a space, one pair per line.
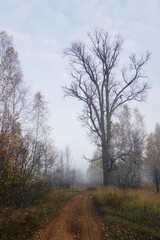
130, 214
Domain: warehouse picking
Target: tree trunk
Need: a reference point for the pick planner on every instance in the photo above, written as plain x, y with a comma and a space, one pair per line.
106, 151
106, 160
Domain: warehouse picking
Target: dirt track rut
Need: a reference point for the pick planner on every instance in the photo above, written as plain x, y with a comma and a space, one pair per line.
77, 220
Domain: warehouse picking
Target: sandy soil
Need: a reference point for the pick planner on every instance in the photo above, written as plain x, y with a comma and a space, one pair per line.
77, 220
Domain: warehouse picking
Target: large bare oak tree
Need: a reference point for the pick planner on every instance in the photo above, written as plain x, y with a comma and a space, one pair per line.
103, 87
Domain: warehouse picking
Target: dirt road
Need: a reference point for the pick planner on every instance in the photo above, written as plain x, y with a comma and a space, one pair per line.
77, 220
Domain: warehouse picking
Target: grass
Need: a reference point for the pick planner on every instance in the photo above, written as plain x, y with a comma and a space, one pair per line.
22, 223
130, 214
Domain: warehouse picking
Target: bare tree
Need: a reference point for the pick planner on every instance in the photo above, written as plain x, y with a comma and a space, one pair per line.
65, 171
98, 85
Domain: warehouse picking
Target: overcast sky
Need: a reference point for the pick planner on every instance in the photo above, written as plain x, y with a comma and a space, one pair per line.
43, 28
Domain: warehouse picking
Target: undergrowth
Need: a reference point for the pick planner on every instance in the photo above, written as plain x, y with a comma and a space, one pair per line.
130, 214
18, 224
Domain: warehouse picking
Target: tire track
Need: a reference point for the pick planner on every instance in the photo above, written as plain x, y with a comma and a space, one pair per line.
77, 220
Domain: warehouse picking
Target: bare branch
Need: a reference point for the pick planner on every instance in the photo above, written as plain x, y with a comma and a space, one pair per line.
95, 84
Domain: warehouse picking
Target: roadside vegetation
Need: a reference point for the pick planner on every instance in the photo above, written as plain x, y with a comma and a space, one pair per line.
22, 223
130, 214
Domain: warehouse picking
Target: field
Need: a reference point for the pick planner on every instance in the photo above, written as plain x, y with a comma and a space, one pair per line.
129, 214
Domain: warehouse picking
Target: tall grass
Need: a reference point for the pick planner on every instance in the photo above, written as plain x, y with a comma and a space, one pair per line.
130, 214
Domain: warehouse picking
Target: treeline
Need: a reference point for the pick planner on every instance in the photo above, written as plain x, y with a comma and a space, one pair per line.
30, 164
136, 154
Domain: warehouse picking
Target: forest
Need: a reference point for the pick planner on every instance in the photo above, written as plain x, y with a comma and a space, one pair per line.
35, 174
